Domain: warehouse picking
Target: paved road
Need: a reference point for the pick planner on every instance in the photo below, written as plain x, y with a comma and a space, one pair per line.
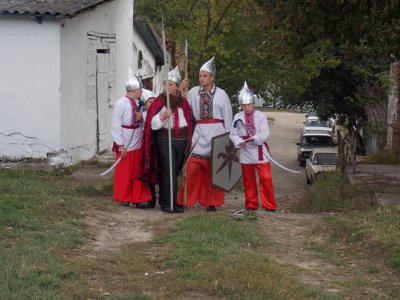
285, 129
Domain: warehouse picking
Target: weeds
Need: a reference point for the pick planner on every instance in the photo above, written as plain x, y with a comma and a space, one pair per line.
333, 193
220, 255
384, 156
37, 221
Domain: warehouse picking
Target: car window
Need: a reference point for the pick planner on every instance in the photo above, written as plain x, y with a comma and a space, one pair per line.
324, 159
316, 140
317, 123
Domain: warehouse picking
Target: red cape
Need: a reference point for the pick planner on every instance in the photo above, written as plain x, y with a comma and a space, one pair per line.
148, 169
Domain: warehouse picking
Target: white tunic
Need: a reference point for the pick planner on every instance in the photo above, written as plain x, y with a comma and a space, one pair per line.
157, 124
249, 154
122, 115
203, 133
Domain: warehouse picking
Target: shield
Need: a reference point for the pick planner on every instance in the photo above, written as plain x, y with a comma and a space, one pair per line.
225, 166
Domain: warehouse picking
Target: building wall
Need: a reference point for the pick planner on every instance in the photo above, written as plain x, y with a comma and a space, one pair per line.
145, 64
29, 87
49, 86
80, 35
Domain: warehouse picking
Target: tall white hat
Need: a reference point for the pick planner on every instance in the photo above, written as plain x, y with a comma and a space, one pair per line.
245, 95
209, 66
175, 76
146, 94
133, 82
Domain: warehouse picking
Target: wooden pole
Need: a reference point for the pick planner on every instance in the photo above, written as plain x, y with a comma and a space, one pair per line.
171, 184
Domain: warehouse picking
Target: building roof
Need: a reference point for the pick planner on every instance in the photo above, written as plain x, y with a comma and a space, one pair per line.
45, 7
150, 37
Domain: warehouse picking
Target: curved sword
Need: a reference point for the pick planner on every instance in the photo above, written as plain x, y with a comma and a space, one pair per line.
273, 160
112, 167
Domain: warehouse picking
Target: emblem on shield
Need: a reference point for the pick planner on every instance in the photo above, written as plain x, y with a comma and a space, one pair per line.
225, 166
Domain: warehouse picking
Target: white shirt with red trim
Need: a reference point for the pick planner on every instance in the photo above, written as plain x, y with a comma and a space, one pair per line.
221, 110
122, 115
250, 153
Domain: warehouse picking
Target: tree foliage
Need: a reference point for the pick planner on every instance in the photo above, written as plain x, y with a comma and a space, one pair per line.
361, 37
321, 53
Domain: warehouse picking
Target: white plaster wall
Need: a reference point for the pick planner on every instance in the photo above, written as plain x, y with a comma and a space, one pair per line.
148, 69
29, 87
78, 118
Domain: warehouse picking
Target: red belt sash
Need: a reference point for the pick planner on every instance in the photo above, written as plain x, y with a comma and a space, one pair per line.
209, 121
115, 147
130, 126
260, 151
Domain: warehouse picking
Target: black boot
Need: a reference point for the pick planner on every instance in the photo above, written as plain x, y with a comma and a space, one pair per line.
143, 205
211, 208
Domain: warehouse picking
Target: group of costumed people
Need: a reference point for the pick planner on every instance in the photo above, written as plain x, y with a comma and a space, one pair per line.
142, 125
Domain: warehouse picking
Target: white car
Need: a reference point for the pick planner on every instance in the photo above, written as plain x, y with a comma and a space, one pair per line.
313, 123
321, 160
310, 140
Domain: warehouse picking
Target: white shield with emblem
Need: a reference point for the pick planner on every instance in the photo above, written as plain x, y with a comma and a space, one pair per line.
225, 166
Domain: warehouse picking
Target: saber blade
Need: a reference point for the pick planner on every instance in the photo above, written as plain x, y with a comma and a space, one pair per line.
279, 165
112, 167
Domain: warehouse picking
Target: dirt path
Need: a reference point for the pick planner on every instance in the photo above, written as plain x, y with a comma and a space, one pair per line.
292, 235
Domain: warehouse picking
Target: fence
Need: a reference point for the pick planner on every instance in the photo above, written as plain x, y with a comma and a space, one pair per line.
347, 148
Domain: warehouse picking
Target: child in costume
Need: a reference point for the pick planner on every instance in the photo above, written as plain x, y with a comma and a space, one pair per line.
250, 133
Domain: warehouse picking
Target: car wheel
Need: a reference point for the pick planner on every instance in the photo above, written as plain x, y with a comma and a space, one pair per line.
302, 163
307, 179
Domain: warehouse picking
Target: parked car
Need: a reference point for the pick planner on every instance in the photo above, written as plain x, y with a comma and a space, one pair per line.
321, 160
313, 123
310, 140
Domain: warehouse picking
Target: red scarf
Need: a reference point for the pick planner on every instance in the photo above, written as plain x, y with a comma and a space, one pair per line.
134, 108
249, 122
148, 149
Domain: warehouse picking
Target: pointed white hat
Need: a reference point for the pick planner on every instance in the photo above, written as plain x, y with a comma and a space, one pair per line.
133, 82
175, 76
245, 95
209, 66
146, 94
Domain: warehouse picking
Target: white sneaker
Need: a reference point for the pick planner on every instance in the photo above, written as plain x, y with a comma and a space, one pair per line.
241, 212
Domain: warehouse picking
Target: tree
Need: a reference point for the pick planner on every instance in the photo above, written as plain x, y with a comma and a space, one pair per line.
358, 36
231, 30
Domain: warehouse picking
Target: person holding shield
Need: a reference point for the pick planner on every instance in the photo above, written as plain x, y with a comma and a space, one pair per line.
250, 133
212, 111
126, 129
155, 140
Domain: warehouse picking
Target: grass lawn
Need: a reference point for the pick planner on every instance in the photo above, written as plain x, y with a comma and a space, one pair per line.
203, 256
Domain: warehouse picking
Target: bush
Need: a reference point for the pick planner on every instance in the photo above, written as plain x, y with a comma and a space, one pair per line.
384, 156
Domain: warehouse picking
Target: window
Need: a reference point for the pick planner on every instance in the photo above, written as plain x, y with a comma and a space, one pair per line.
140, 59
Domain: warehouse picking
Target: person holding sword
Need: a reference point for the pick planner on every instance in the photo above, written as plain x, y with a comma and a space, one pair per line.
250, 133
126, 130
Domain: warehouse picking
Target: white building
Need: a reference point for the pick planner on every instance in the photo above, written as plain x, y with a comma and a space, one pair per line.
63, 64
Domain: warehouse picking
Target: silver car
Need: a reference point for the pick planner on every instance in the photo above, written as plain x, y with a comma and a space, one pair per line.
309, 141
321, 160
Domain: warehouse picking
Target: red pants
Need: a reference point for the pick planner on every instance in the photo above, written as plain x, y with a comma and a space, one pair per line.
250, 185
198, 185
126, 187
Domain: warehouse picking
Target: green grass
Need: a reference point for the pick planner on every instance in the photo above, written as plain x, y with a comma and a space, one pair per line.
377, 231
383, 156
333, 193
226, 257
39, 218
200, 256
360, 224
